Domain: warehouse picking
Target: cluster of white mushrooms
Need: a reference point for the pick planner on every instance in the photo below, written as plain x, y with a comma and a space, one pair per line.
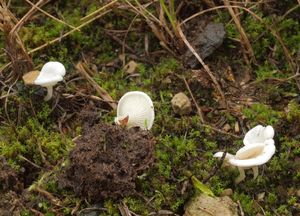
135, 109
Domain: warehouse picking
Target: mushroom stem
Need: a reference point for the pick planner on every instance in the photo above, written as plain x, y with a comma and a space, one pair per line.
49, 93
255, 172
241, 177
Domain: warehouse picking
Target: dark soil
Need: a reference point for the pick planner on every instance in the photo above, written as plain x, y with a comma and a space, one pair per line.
106, 161
8, 178
10, 185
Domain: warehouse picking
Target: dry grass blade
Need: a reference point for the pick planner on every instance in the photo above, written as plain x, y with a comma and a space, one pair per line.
207, 69
93, 14
153, 23
21, 22
245, 40
124, 210
14, 47
46, 194
199, 111
68, 33
103, 94
49, 15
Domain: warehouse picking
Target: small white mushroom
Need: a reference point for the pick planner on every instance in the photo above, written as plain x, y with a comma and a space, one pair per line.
258, 150
50, 75
135, 109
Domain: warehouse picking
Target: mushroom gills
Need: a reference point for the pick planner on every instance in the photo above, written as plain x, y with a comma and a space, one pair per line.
250, 151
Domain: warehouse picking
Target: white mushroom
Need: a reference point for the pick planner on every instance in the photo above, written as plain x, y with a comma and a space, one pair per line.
258, 150
135, 109
51, 73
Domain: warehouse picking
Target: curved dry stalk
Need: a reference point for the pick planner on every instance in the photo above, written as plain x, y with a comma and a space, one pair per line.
102, 92
242, 32
273, 32
205, 66
199, 111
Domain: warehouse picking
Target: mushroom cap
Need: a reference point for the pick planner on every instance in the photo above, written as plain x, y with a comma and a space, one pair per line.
139, 108
258, 134
51, 73
254, 155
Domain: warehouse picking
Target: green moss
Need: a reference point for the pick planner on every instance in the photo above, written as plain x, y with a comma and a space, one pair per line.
246, 202
33, 140
261, 113
293, 111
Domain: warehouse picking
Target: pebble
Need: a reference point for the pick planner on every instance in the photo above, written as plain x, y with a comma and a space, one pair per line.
181, 104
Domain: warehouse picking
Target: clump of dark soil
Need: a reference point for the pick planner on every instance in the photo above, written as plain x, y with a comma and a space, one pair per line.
106, 161
8, 177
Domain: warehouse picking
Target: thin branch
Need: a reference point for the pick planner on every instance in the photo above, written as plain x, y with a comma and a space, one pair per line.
207, 69
199, 111
102, 92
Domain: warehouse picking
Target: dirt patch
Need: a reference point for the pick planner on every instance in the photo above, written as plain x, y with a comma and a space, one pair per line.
8, 177
10, 204
106, 161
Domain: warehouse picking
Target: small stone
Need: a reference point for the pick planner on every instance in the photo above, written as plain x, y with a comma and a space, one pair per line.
226, 127
167, 81
298, 193
226, 192
130, 67
260, 197
205, 205
181, 104
236, 127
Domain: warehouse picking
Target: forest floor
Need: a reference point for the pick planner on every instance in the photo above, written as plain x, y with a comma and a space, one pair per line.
237, 62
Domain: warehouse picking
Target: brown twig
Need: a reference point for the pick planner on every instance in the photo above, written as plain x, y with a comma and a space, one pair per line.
123, 209
219, 130
119, 41
49, 196
199, 111
240, 208
81, 67
205, 66
92, 209
33, 164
